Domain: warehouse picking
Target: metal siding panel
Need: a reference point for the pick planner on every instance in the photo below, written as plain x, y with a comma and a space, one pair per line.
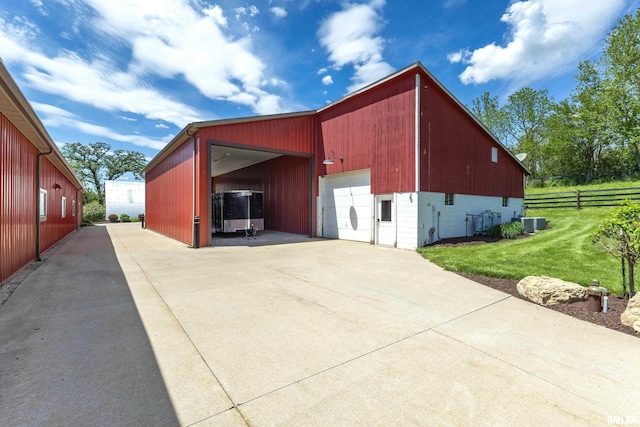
285, 183
169, 195
17, 187
290, 135
374, 130
456, 152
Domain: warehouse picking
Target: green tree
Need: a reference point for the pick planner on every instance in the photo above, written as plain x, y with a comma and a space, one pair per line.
487, 109
619, 235
621, 60
96, 163
526, 116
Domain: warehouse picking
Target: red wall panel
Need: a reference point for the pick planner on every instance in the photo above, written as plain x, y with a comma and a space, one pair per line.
375, 130
455, 152
58, 186
169, 195
287, 134
17, 195
286, 184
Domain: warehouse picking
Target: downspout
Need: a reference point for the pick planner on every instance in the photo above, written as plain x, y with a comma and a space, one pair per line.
417, 136
196, 224
38, 199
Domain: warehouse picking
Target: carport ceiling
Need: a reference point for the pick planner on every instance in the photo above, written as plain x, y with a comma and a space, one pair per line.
228, 159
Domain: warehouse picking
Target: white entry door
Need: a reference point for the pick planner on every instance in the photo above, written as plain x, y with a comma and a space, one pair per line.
385, 221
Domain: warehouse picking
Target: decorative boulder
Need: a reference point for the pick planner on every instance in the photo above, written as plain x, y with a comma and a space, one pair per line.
631, 316
550, 291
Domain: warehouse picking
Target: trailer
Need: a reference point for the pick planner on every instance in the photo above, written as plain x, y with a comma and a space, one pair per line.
238, 210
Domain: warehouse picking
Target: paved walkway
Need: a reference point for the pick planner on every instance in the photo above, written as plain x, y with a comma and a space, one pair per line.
121, 326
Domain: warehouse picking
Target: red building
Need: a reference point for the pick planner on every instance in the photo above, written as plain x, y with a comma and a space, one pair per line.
41, 196
400, 162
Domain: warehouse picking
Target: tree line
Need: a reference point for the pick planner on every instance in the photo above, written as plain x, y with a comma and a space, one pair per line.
592, 135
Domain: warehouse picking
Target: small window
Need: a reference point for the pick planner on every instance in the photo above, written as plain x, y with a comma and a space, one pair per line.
494, 154
505, 202
43, 204
64, 207
448, 199
385, 210
73, 208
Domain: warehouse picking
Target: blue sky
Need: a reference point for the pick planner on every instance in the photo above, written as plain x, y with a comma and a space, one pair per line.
132, 73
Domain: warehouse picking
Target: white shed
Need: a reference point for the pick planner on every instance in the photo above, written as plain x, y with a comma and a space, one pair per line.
124, 197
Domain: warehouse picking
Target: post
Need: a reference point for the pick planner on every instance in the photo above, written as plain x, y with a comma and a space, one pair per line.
578, 198
196, 232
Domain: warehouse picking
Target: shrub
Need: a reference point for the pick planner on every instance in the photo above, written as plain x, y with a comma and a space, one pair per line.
509, 230
125, 218
92, 212
113, 218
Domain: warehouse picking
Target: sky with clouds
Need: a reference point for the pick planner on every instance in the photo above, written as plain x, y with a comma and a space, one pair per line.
132, 73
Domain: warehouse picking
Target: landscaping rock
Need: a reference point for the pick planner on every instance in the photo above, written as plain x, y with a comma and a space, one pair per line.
631, 316
550, 291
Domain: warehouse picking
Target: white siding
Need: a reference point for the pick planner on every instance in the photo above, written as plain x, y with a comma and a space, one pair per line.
407, 220
451, 220
124, 197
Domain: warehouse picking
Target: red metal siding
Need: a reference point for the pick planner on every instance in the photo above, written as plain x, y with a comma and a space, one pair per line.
455, 152
58, 186
287, 191
288, 134
169, 195
373, 130
17, 195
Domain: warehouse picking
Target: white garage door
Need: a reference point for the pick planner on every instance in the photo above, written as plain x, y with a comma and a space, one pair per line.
346, 202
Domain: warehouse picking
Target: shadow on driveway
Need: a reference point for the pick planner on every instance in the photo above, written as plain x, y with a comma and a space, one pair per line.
73, 349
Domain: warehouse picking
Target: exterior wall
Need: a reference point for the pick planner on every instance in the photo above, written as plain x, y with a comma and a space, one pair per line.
286, 135
124, 197
373, 130
407, 220
17, 195
58, 186
286, 184
456, 151
169, 195
451, 221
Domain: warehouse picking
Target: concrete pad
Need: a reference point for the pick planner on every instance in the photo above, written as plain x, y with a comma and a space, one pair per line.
419, 381
584, 359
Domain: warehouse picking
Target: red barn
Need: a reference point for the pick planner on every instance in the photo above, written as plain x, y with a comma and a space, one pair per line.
400, 162
40, 194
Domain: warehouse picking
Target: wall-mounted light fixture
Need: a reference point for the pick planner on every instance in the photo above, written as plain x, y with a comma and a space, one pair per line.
56, 186
331, 159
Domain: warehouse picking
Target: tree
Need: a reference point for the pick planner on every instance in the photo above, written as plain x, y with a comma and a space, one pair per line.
96, 163
526, 114
621, 59
487, 109
619, 235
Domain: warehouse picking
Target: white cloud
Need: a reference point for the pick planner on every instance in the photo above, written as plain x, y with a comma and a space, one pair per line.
327, 80
546, 37
279, 12
350, 37
161, 126
323, 71
172, 40
39, 6
57, 117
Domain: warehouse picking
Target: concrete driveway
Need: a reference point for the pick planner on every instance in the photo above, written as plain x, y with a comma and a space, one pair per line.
122, 326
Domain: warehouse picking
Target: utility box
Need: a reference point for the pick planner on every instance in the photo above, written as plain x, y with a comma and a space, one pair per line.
238, 210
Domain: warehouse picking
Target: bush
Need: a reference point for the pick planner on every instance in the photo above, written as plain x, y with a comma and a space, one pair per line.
113, 218
125, 218
509, 230
92, 212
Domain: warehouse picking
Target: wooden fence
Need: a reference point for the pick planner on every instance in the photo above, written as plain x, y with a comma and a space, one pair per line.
581, 198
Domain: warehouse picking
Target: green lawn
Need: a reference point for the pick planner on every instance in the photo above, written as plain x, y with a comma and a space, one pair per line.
564, 251
605, 186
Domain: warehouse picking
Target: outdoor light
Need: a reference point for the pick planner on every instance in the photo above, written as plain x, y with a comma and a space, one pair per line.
330, 160
57, 186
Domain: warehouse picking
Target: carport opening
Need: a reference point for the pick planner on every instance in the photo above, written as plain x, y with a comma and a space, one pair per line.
264, 190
